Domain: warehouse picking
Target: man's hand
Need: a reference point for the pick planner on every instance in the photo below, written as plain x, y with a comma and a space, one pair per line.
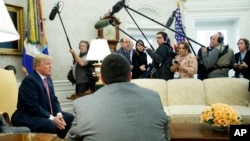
59, 121
72, 51
203, 49
131, 67
142, 68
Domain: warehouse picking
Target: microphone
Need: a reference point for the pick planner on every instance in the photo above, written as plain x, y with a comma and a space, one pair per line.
117, 7
102, 23
171, 19
106, 22
53, 12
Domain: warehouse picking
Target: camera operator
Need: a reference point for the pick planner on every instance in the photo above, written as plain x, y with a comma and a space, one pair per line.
220, 59
202, 70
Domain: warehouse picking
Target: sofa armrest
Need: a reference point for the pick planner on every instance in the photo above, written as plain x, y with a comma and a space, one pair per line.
6, 117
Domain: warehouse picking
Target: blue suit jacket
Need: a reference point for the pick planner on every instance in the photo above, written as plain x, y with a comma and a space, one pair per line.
33, 101
122, 51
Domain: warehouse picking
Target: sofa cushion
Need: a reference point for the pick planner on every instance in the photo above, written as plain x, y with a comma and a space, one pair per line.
185, 113
158, 85
186, 92
231, 91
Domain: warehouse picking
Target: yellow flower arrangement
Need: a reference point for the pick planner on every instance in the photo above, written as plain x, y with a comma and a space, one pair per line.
220, 115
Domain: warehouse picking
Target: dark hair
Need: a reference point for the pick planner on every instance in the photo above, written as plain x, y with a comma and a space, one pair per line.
84, 41
164, 35
10, 67
115, 68
186, 45
246, 41
138, 42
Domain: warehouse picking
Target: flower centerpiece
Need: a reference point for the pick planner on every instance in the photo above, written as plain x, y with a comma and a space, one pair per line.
220, 115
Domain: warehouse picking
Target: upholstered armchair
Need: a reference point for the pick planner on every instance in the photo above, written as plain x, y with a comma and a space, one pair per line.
8, 93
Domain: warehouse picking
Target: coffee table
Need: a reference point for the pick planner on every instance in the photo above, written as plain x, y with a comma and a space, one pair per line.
195, 132
29, 137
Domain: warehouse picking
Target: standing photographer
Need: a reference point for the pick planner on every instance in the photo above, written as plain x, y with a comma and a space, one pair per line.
220, 59
202, 70
83, 71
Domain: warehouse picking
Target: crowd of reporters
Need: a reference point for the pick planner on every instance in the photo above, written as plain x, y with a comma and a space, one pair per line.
213, 61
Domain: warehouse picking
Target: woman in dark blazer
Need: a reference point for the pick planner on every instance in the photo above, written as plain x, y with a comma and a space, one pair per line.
242, 59
139, 60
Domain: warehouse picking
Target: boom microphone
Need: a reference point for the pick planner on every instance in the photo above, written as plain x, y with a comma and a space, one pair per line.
53, 12
105, 22
102, 24
117, 7
171, 19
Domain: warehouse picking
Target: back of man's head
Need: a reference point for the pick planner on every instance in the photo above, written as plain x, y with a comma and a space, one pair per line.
10, 67
115, 68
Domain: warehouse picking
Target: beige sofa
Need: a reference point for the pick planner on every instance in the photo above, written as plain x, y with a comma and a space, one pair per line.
185, 99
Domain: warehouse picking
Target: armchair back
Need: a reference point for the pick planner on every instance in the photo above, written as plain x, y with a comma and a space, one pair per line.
8, 91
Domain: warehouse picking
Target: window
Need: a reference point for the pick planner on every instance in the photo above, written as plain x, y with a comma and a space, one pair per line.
203, 36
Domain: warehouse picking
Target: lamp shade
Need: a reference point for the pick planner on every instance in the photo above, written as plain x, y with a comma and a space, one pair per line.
7, 29
98, 50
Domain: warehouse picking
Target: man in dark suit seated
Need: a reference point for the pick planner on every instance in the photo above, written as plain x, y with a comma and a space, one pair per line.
120, 110
38, 107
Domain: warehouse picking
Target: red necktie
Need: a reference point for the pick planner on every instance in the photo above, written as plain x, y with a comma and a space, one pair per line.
47, 89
